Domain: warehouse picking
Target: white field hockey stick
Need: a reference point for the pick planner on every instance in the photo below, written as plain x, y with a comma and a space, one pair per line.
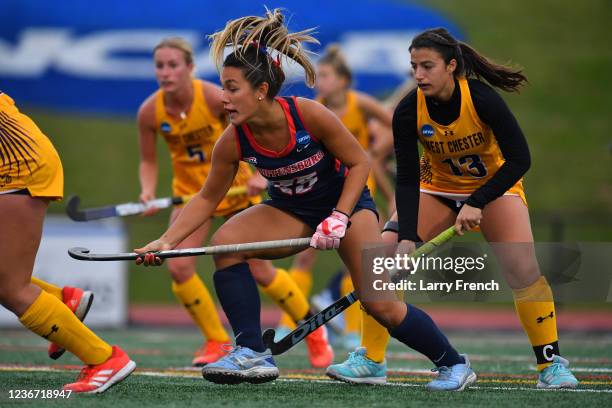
84, 254
125, 209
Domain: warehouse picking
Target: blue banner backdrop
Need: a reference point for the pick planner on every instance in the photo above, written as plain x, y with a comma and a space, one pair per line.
95, 56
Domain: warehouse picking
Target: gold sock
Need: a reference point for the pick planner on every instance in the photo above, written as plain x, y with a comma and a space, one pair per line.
536, 310
286, 293
352, 315
49, 288
197, 300
50, 318
374, 337
303, 278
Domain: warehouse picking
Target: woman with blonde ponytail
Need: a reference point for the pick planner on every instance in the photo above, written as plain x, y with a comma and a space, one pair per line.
317, 173
189, 114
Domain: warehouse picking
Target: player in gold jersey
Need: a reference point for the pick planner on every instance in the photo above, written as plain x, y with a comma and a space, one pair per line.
355, 109
469, 176
189, 115
31, 175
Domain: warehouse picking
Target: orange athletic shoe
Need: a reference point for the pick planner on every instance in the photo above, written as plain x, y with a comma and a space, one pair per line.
78, 301
99, 378
210, 352
320, 352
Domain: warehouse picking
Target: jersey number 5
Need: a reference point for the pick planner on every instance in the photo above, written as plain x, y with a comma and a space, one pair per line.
469, 165
196, 150
298, 185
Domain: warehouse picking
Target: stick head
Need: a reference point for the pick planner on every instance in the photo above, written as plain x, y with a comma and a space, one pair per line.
268, 338
79, 253
72, 209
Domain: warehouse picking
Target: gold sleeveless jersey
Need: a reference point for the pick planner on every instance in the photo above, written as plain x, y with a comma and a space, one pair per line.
356, 122
191, 140
28, 160
460, 157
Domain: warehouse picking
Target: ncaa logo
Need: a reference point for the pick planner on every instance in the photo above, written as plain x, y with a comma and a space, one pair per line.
427, 130
165, 127
252, 160
302, 138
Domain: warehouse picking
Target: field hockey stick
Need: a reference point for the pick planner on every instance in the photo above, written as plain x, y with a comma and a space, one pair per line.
125, 209
84, 254
333, 310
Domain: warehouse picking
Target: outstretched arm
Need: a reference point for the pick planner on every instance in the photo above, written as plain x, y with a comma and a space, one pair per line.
202, 206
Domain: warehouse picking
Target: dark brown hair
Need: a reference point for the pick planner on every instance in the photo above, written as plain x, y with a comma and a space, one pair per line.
469, 62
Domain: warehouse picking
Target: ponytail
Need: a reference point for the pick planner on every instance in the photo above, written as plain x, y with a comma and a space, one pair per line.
469, 62
252, 39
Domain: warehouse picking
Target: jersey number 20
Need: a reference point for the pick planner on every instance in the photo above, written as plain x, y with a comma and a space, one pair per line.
298, 185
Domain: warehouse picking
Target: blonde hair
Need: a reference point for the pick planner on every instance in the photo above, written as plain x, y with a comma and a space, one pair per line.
335, 59
178, 43
251, 37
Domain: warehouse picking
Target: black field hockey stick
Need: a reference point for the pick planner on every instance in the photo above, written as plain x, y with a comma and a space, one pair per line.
84, 254
125, 209
321, 318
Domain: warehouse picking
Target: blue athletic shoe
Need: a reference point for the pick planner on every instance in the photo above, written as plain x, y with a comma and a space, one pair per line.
281, 332
453, 378
358, 369
242, 365
557, 375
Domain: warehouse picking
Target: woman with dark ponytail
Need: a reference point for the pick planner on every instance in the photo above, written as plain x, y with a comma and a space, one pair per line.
317, 173
470, 175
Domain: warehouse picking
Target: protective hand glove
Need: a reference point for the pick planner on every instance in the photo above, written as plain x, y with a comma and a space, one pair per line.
330, 231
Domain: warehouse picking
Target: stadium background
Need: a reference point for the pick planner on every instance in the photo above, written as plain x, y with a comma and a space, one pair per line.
86, 100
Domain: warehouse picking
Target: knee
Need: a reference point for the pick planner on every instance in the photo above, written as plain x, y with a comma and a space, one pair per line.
181, 269
386, 313
263, 271
223, 236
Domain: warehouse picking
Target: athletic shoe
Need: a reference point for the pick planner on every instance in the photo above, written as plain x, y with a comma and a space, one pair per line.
320, 353
557, 375
281, 332
358, 369
453, 378
351, 341
210, 352
79, 302
98, 378
242, 365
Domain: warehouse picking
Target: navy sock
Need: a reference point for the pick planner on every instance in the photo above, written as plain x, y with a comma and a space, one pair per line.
420, 333
237, 292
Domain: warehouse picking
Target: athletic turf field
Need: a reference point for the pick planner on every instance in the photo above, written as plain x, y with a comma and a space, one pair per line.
503, 362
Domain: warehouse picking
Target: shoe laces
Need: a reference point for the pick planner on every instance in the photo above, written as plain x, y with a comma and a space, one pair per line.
355, 358
86, 372
557, 368
444, 373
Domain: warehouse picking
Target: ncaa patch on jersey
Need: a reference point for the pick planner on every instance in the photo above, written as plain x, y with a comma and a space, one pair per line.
302, 138
165, 127
427, 130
